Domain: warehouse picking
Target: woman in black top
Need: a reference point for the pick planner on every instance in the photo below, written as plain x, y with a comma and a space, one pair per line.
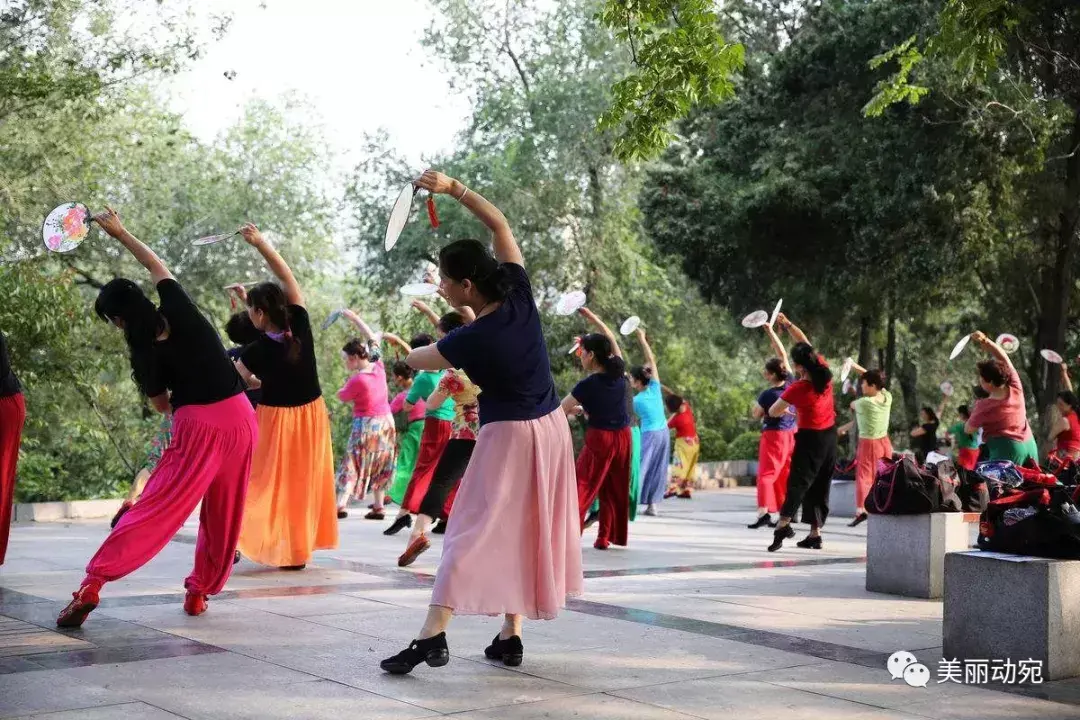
178, 362
291, 505
924, 438
12, 418
603, 466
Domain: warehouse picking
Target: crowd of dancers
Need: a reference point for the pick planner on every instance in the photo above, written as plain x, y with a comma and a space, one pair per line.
475, 444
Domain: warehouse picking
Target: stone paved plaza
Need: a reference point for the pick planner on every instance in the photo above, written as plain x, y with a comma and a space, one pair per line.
694, 620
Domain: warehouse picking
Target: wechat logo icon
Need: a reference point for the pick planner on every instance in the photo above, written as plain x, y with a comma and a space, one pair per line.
902, 665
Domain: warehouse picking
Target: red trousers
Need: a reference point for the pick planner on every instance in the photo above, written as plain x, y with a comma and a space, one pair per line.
209, 459
432, 443
866, 458
603, 468
967, 458
774, 465
12, 417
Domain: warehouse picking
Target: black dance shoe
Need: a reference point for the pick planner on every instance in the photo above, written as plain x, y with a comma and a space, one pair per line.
399, 524
510, 650
859, 520
779, 536
810, 543
762, 521
440, 528
342, 514
433, 651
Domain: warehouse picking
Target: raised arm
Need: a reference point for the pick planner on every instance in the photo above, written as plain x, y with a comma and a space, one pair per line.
424, 309
777, 345
109, 221
603, 329
274, 261
796, 334
995, 350
1066, 381
359, 323
506, 247
397, 341
650, 358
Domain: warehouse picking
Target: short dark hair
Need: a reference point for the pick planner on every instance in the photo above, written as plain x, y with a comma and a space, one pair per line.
1069, 399
963, 411
673, 402
421, 340
993, 372
874, 378
451, 321
601, 347
240, 329
401, 369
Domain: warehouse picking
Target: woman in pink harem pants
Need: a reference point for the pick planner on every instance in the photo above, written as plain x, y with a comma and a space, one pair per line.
177, 360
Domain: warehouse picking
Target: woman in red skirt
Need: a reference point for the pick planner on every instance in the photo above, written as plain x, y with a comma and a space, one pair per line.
777, 437
12, 417
603, 467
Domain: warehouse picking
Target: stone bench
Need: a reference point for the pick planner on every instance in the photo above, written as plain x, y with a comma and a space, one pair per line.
1013, 607
905, 554
842, 499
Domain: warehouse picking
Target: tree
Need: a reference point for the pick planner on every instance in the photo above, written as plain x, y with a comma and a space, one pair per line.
1021, 60
681, 60
538, 75
787, 191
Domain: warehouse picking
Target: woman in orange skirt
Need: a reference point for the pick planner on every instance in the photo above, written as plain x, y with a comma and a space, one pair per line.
291, 508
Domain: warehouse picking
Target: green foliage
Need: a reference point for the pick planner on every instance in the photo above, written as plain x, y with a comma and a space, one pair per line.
713, 445
744, 447
681, 61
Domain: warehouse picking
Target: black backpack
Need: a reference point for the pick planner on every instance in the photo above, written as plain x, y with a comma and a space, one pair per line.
1038, 522
904, 488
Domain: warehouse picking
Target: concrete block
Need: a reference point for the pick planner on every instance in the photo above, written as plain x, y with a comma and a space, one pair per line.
59, 511
1013, 607
905, 554
842, 499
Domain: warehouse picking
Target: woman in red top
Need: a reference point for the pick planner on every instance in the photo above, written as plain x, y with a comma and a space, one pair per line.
815, 442
1066, 430
686, 446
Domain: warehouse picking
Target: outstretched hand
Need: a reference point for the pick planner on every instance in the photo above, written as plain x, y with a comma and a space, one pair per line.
109, 221
251, 234
782, 321
435, 182
980, 337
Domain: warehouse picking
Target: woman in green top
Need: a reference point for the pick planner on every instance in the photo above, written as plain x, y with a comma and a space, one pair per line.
872, 412
964, 443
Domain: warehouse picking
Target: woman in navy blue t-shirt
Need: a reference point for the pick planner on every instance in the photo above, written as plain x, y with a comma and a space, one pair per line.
514, 546
603, 467
777, 437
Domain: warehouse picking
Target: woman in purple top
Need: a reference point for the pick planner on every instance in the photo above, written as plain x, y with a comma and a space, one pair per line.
777, 437
513, 546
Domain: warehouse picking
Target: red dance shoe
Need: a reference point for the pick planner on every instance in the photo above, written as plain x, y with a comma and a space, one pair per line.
83, 602
415, 549
195, 603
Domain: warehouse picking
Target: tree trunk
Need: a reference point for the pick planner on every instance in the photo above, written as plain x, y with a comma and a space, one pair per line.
890, 350
864, 341
909, 382
1055, 316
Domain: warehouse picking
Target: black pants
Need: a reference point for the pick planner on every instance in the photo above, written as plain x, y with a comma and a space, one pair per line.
452, 464
812, 466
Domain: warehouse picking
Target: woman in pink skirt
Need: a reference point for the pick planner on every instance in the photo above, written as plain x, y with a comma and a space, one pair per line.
513, 546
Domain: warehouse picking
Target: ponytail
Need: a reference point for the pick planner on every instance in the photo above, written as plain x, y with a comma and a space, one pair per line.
270, 298
809, 360
604, 352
